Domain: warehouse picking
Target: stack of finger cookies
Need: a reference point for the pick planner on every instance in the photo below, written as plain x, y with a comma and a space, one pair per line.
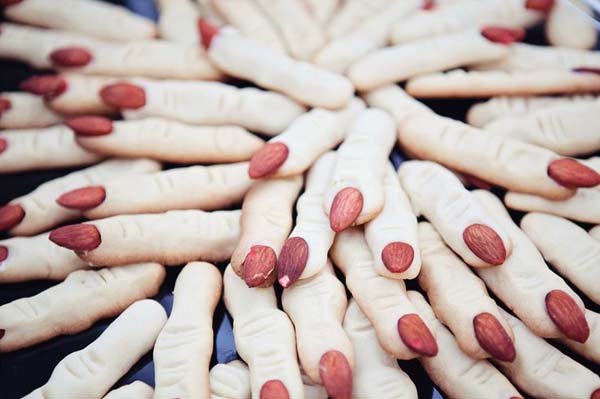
237, 152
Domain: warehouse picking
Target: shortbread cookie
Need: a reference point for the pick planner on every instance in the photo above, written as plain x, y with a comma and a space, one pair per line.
25, 111
591, 348
595, 232
322, 10
185, 344
350, 14
137, 390
571, 24
57, 310
230, 380
396, 102
178, 21
170, 238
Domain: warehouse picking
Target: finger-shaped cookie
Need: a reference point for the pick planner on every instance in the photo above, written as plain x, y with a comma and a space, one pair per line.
484, 113
308, 137
38, 211
590, 349
369, 35
203, 103
540, 298
136, 389
92, 371
461, 84
44, 148
376, 374
57, 310
506, 162
87, 17
230, 380
350, 14
595, 233
543, 371
70, 93
392, 235
571, 24
462, 15
178, 21
400, 329
264, 338
25, 111
355, 194
185, 344
170, 238
568, 248
316, 306
460, 301
196, 187
438, 53
322, 10
266, 224
457, 215
396, 102
246, 59
457, 374
165, 140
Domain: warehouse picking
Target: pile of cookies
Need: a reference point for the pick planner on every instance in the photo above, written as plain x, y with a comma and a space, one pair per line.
291, 108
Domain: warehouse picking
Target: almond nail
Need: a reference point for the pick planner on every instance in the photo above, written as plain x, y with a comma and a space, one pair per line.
123, 95
493, 338
274, 389
3, 253
485, 243
48, 86
258, 265
595, 394
6, 3
503, 35
415, 334
587, 70
567, 316
267, 160
5, 105
336, 375
82, 198
346, 207
397, 256
539, 5
10, 216
571, 173
428, 5
90, 125
3, 145
71, 57
77, 237
476, 182
292, 261
207, 32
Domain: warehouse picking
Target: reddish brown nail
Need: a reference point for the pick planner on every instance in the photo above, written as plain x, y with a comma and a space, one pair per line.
48, 86
493, 338
567, 316
90, 125
3, 145
428, 5
539, 5
77, 237
292, 261
6, 3
82, 198
503, 35
595, 394
70, 57
207, 32
485, 243
274, 389
476, 182
5, 105
10, 216
336, 375
267, 160
587, 70
397, 256
258, 265
346, 207
3, 253
569, 172
123, 95
415, 334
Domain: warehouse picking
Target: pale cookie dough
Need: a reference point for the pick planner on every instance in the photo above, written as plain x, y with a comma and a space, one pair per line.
571, 24
350, 14
26, 111
178, 21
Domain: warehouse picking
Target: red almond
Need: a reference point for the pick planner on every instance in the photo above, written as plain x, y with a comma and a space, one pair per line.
415, 334
485, 243
71, 57
5, 105
10, 216
397, 256
503, 35
82, 198
493, 338
3, 253
258, 265
77, 237
49, 86
539, 5
336, 374
3, 145
292, 261
6, 3
476, 182
90, 125
123, 95
207, 32
428, 5
274, 389
587, 70
569, 172
346, 207
567, 316
267, 160
595, 394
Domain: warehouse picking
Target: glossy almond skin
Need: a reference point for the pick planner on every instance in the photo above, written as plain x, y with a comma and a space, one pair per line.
48, 86
82, 198
71, 57
501, 35
5, 105
539, 5
207, 32
571, 173
90, 125
346, 207
485, 243
274, 389
493, 338
267, 160
3, 253
123, 95
77, 237
397, 256
10, 216
259, 265
567, 316
292, 261
415, 334
336, 374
